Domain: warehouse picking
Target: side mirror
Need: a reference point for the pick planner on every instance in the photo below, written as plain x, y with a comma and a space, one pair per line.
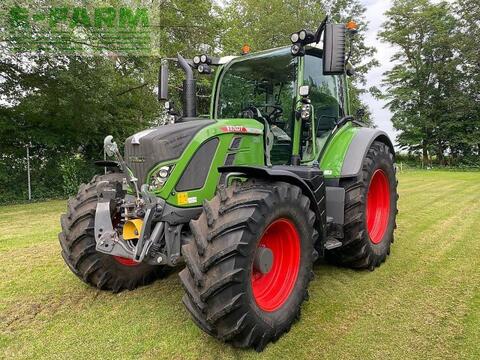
334, 49
163, 81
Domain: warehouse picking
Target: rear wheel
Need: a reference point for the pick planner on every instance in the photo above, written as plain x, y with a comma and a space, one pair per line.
250, 263
370, 212
78, 245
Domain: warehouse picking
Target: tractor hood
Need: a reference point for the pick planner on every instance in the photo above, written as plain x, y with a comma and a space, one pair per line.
149, 147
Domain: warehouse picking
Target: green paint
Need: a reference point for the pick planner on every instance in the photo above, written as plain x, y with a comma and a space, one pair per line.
297, 127
347, 106
214, 91
334, 154
249, 153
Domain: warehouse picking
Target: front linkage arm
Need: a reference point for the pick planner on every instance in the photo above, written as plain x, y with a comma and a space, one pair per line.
159, 241
110, 242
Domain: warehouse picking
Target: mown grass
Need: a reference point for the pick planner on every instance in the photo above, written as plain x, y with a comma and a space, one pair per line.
424, 302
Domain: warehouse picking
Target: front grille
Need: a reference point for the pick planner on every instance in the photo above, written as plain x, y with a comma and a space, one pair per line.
137, 162
146, 149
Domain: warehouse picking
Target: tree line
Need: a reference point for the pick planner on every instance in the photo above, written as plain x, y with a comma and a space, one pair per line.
433, 90
61, 105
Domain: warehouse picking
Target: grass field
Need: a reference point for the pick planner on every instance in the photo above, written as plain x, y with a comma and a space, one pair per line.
424, 302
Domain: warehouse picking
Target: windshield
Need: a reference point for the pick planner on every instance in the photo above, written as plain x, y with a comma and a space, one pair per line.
265, 82
263, 88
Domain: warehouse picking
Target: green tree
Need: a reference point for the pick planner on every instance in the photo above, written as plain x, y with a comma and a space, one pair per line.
465, 144
64, 104
431, 88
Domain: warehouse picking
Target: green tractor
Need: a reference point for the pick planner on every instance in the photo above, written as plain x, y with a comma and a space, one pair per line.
246, 198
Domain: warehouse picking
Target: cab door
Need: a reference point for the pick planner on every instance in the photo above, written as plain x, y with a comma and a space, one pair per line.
327, 98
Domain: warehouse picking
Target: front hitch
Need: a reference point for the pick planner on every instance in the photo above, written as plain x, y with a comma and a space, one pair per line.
107, 239
110, 242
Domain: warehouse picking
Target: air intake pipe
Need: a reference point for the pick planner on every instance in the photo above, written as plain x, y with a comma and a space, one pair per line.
189, 89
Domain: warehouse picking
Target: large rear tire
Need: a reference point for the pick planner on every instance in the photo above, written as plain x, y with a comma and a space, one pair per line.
370, 212
78, 245
227, 293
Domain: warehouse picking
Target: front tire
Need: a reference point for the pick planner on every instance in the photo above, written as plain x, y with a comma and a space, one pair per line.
78, 244
370, 212
226, 294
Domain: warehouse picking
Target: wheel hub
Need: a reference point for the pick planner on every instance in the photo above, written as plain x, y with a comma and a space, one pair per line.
276, 265
263, 260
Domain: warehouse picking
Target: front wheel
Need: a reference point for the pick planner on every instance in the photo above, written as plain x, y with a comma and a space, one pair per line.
250, 263
370, 212
78, 244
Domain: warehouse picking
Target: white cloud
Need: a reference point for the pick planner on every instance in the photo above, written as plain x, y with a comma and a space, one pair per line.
375, 16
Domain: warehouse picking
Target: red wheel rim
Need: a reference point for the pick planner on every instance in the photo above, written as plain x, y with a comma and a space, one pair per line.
378, 206
125, 261
271, 290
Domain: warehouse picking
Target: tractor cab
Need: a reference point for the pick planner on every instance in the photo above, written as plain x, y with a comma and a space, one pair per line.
298, 94
266, 87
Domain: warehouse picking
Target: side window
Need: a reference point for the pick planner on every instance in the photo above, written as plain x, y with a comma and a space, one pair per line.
324, 93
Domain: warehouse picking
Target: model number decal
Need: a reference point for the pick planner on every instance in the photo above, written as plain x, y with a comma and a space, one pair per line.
240, 129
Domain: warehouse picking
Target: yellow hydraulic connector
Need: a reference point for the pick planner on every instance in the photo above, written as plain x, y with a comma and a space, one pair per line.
132, 229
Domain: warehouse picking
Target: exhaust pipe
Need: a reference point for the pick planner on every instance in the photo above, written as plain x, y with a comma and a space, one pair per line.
189, 90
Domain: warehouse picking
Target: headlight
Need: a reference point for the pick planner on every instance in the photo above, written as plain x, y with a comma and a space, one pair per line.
204, 69
163, 172
294, 37
196, 60
159, 177
305, 112
297, 49
302, 35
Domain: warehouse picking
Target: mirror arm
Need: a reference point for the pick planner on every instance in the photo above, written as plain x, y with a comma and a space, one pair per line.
318, 33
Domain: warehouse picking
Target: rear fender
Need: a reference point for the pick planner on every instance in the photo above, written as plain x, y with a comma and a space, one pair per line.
344, 159
358, 148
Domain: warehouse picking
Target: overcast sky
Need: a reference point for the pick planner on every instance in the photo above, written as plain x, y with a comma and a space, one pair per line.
375, 16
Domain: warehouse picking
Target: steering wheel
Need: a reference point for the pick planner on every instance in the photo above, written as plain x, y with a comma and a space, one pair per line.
253, 112
275, 113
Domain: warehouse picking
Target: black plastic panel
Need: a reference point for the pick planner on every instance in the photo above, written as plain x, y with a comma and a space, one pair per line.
235, 143
197, 170
147, 148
